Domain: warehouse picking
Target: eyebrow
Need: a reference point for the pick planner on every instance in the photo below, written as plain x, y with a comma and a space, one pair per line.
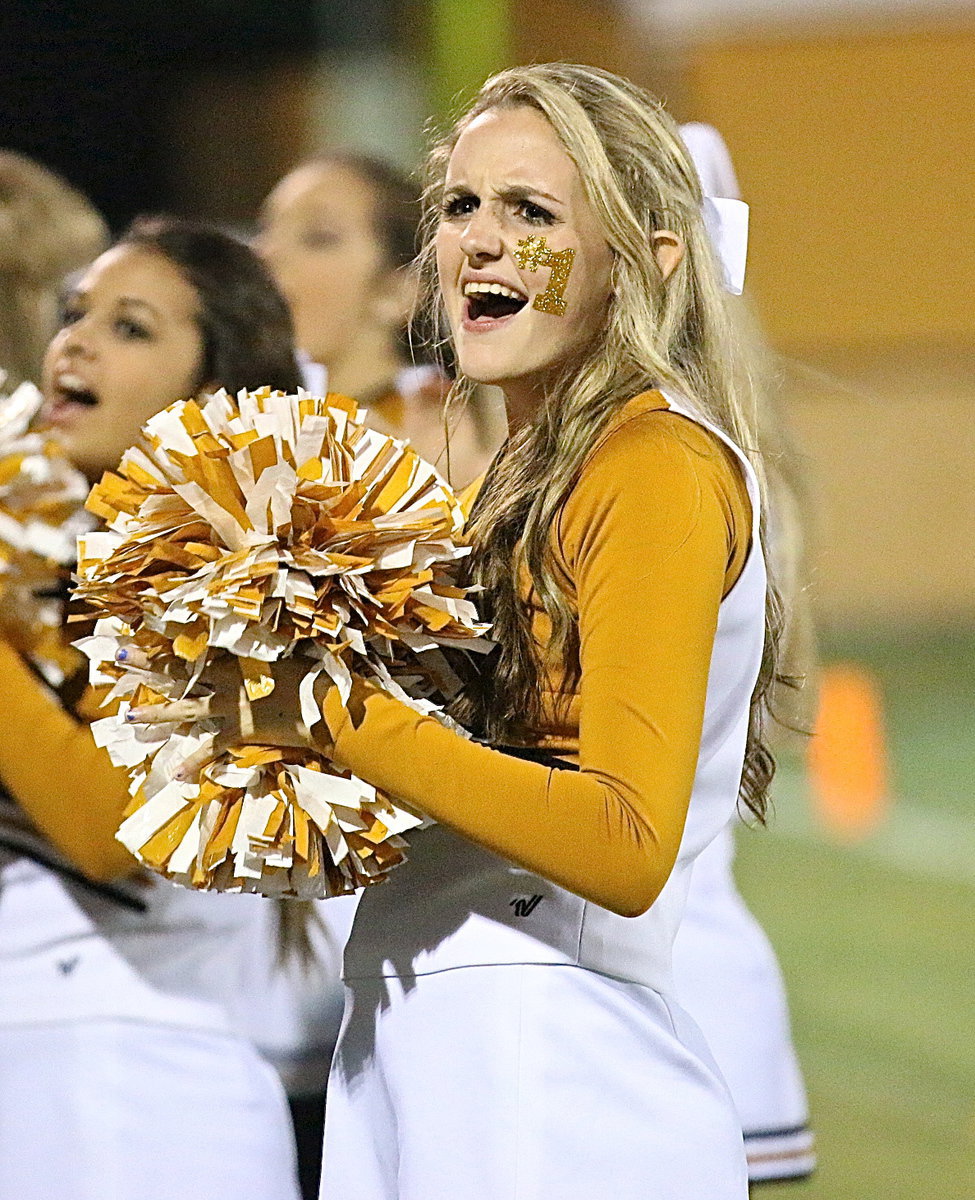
133, 302
77, 293
524, 191
514, 191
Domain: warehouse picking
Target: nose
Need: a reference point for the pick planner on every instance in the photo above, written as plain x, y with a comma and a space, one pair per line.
77, 340
481, 240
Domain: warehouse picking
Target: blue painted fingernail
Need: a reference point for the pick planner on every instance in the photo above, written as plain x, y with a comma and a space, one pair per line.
121, 655
131, 715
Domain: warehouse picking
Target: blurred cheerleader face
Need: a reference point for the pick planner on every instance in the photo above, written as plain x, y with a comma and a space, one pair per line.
129, 345
509, 179
318, 238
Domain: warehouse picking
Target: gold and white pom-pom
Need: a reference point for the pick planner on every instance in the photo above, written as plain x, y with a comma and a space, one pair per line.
41, 514
264, 527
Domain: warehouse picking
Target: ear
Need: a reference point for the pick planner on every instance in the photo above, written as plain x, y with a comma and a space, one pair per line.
668, 250
396, 296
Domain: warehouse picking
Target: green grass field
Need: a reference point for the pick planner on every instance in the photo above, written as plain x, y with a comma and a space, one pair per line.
876, 939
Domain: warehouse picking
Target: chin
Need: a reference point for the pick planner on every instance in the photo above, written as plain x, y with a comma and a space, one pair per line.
487, 366
479, 373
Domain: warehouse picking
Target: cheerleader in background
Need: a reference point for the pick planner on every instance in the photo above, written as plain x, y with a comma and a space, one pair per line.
339, 234
511, 1027
725, 969
121, 1074
47, 230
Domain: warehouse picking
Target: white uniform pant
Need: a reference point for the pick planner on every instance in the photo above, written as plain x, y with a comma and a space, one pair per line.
525, 1083
120, 1110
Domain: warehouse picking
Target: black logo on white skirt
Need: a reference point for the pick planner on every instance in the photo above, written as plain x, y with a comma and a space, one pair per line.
524, 906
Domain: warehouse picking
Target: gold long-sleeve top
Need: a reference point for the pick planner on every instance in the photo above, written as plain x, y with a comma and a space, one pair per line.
62, 781
653, 535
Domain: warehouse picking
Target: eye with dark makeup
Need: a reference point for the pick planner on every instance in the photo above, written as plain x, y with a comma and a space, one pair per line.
461, 204
534, 214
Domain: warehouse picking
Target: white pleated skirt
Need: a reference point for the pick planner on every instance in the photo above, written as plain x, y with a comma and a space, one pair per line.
119, 1110
728, 978
525, 1082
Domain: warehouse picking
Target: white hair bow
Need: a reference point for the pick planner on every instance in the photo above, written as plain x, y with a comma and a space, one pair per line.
726, 221
725, 215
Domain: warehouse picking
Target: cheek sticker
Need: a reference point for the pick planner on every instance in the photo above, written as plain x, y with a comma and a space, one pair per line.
532, 253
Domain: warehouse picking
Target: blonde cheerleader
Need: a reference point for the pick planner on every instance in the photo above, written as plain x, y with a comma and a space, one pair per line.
511, 1028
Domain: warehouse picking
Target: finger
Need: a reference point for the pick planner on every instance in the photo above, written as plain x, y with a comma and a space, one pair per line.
190, 768
132, 656
179, 711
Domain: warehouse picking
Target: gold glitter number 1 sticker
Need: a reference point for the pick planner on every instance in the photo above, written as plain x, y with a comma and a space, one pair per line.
532, 253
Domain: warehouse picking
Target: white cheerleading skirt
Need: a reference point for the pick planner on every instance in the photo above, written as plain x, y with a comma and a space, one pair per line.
292, 1011
525, 1082
727, 977
117, 1110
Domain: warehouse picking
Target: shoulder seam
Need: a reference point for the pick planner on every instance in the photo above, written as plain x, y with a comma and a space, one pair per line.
609, 434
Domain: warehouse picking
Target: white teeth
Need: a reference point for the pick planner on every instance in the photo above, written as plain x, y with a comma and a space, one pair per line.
71, 382
493, 289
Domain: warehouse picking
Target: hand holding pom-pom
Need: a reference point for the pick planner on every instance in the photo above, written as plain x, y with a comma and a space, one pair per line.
264, 543
41, 514
272, 720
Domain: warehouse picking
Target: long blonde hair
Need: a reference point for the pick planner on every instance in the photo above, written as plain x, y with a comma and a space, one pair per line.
677, 333
47, 229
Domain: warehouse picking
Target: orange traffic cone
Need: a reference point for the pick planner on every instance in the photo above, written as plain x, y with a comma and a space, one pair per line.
847, 754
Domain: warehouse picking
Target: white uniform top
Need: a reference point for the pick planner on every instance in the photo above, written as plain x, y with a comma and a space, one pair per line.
455, 904
66, 954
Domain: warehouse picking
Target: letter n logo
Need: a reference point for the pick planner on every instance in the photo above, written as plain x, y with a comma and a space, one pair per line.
524, 906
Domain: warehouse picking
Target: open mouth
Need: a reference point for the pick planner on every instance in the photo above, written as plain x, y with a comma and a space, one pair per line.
77, 396
71, 389
69, 395
492, 301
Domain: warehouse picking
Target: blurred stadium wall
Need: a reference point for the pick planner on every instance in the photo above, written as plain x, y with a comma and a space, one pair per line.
854, 145
850, 123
